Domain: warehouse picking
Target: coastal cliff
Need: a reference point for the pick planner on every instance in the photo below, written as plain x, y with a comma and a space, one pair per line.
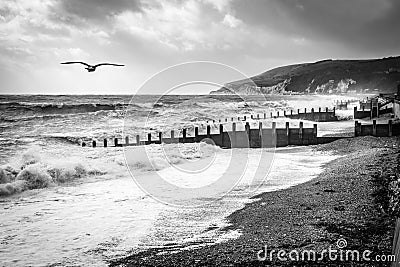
322, 77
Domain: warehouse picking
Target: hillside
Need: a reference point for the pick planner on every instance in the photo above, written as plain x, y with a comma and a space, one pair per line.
323, 77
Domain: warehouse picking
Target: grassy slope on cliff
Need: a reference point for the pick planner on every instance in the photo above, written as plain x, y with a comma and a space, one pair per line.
383, 74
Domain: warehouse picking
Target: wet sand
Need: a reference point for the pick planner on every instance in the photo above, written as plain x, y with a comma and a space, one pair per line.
342, 202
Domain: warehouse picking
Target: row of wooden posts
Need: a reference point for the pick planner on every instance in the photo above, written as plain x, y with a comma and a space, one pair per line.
249, 138
278, 114
374, 129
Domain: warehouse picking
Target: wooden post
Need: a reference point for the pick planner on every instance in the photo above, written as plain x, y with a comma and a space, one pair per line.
284, 113
305, 110
138, 140
301, 132
233, 142
374, 128
149, 138
226, 120
356, 133
238, 118
274, 143
334, 111
251, 116
291, 112
287, 133
219, 120
126, 140
260, 131
277, 115
105, 142
213, 121
231, 119
319, 110
315, 134
247, 127
355, 113
208, 131
196, 134
390, 128
160, 137
94, 143
271, 114
173, 133
258, 116
116, 142
298, 111
265, 116
221, 134
244, 118
184, 136
326, 109
312, 114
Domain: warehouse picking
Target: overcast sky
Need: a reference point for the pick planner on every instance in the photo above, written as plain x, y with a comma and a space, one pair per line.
148, 36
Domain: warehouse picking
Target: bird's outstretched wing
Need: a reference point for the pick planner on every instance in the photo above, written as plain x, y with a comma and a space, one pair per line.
108, 64
76, 62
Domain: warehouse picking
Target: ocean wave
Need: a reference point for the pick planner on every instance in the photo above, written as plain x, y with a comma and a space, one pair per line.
53, 108
31, 171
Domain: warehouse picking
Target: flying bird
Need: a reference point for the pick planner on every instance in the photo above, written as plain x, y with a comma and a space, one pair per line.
92, 68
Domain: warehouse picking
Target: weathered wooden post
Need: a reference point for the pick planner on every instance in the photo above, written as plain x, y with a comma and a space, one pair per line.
305, 110
301, 132
183, 135
312, 114
149, 138
247, 128
208, 131
94, 143
271, 114
258, 116
274, 138
390, 128
226, 120
160, 137
234, 140
356, 132
138, 140
251, 116
260, 133
126, 140
298, 111
244, 118
213, 121
326, 109
219, 120
355, 113
231, 119
196, 134
173, 133
265, 116
115, 142
319, 110
287, 133
277, 115
105, 142
334, 111
284, 113
291, 112
238, 118
315, 134
221, 134
374, 128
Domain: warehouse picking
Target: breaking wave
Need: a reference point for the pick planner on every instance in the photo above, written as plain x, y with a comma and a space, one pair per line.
31, 171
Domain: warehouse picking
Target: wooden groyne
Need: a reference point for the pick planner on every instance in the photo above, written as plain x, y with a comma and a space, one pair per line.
259, 137
379, 130
310, 115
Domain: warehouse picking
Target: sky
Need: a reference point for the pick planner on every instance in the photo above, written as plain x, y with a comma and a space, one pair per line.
147, 36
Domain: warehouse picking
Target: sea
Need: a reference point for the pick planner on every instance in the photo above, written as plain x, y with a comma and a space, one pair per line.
65, 204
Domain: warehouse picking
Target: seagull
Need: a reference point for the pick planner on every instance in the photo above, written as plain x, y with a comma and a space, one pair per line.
92, 68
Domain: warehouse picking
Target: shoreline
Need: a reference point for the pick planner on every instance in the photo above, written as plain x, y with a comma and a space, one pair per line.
338, 203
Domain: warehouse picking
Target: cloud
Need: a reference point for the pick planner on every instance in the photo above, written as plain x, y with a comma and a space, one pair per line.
231, 21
